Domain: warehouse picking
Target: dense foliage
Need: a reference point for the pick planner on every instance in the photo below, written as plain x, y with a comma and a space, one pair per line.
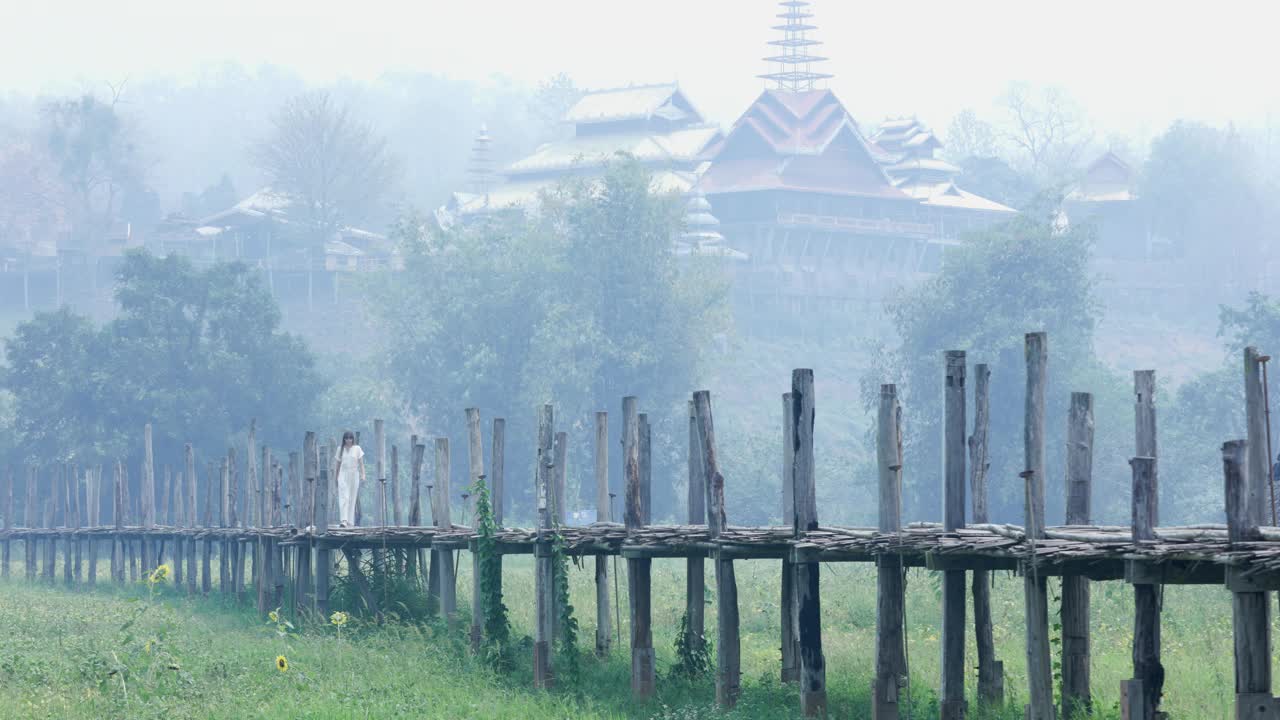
195, 352
579, 306
1025, 275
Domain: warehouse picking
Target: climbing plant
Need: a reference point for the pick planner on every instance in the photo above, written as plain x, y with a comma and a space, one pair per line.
497, 627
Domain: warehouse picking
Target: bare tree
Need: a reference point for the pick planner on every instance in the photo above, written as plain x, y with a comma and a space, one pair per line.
969, 136
1048, 127
334, 168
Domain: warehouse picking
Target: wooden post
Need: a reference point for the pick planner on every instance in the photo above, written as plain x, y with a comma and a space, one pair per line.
148, 500
1259, 465
117, 518
1147, 669
310, 514
638, 569
543, 673
787, 603
497, 469
990, 670
206, 561
324, 555
251, 479
30, 521
1251, 613
68, 521
646, 468
78, 523
415, 502
380, 473
1036, 593
891, 660
177, 506
728, 645
953, 581
604, 629
93, 501
50, 514
560, 477
1146, 596
1076, 696
263, 551
394, 482
813, 673
444, 558
189, 500
8, 522
475, 457
695, 605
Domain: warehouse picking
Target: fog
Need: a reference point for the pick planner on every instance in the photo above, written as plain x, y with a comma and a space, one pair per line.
422, 217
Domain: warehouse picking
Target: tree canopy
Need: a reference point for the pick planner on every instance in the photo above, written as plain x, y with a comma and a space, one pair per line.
579, 305
195, 352
1025, 275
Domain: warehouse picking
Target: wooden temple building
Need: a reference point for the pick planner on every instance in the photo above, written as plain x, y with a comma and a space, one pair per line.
820, 219
655, 124
833, 221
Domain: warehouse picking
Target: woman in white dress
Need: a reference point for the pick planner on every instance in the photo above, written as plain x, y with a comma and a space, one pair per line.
350, 475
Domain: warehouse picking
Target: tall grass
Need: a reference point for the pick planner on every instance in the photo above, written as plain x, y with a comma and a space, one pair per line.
71, 654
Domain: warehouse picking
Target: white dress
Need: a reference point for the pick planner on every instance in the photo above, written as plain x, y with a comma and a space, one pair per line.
349, 483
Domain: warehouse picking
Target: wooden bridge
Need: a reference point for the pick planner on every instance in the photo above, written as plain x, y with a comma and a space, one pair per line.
278, 527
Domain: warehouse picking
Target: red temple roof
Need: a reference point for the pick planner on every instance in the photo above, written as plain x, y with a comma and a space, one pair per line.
800, 141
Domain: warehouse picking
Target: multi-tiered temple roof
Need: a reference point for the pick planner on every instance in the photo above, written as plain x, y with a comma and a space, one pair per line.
655, 124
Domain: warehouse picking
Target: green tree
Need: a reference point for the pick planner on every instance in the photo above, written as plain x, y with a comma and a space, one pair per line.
1202, 190
195, 352
53, 374
578, 305
1018, 277
98, 162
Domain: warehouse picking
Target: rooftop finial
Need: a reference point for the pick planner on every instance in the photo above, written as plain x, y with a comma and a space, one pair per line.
795, 64
480, 169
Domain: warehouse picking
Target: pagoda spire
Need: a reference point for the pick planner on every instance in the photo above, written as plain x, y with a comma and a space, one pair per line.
795, 63
480, 169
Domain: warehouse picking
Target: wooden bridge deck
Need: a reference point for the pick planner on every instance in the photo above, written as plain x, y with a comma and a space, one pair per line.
1195, 554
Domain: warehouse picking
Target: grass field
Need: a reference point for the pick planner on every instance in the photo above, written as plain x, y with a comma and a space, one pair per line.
123, 653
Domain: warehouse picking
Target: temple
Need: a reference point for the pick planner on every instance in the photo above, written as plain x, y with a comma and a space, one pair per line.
832, 222
655, 124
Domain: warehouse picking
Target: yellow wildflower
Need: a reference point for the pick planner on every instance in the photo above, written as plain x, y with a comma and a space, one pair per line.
273, 616
282, 663
339, 618
159, 574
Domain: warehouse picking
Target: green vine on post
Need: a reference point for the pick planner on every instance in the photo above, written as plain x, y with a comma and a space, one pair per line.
567, 642
693, 655
497, 627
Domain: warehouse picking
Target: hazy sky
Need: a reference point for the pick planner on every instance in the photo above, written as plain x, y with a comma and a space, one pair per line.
1133, 64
